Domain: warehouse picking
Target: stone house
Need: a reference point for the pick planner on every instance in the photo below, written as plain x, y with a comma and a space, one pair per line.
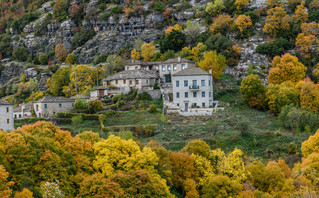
173, 66
132, 79
141, 65
6, 116
23, 111
192, 88
50, 105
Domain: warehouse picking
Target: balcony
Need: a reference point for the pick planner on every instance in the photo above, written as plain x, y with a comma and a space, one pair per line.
194, 87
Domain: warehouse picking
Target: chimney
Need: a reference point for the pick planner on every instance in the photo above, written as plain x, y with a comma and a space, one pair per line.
179, 59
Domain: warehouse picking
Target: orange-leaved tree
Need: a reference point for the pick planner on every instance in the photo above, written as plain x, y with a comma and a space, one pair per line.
277, 20
60, 52
286, 68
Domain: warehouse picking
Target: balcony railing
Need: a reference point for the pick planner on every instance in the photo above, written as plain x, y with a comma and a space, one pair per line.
194, 87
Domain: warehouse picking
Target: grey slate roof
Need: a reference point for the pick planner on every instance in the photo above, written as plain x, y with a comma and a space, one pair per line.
137, 62
54, 99
133, 74
4, 103
175, 60
192, 71
27, 107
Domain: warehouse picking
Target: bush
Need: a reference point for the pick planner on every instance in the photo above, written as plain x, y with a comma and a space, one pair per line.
21, 54
100, 59
76, 120
152, 108
243, 127
253, 16
221, 186
198, 147
173, 41
80, 103
148, 131
292, 148
95, 106
84, 116
275, 48
43, 59
80, 38
159, 6
144, 96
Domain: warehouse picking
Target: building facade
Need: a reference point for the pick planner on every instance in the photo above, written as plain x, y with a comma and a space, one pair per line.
23, 111
132, 79
192, 88
173, 66
6, 116
50, 105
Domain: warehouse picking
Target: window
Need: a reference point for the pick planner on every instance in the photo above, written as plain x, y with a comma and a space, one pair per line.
183, 66
177, 83
203, 94
194, 83
185, 83
209, 83
60, 105
169, 67
203, 105
177, 104
117, 81
177, 94
210, 94
195, 94
8, 121
45, 106
174, 67
203, 83
186, 94
130, 82
124, 81
7, 109
137, 82
146, 81
37, 107
195, 104
163, 67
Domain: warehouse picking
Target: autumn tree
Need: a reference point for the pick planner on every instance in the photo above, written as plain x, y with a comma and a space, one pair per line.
135, 54
309, 95
221, 186
25, 193
5, 190
70, 59
221, 23
214, 7
252, 90
286, 68
173, 41
147, 51
60, 52
58, 80
176, 27
241, 3
276, 21
300, 16
273, 3
214, 62
307, 42
198, 147
243, 22
280, 95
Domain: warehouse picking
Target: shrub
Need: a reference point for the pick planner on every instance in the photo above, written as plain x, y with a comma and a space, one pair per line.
125, 135
159, 6
43, 58
80, 103
76, 120
80, 38
95, 106
243, 127
198, 147
100, 59
148, 131
152, 108
275, 48
21, 54
144, 96
292, 148
221, 186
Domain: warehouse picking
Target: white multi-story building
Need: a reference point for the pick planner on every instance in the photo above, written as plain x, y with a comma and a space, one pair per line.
50, 105
6, 116
192, 87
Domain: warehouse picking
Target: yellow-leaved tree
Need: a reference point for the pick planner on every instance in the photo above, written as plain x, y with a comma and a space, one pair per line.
307, 42
277, 20
243, 22
286, 68
147, 51
5, 190
309, 95
221, 23
135, 54
241, 3
60, 52
176, 27
215, 62
280, 95
115, 155
252, 90
300, 16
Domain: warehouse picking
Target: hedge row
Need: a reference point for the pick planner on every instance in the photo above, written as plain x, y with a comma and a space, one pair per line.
132, 128
84, 116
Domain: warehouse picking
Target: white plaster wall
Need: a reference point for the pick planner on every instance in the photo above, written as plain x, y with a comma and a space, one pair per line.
4, 116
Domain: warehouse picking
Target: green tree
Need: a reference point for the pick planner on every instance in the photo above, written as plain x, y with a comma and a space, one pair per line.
172, 41
252, 90
58, 80
43, 58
